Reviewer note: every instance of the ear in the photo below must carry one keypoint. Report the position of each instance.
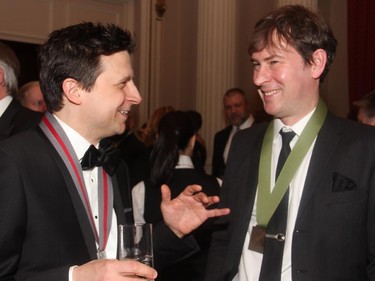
(72, 90)
(318, 63)
(1, 76)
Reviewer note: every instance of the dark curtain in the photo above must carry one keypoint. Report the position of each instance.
(28, 56)
(361, 48)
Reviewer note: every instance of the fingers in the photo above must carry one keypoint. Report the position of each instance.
(165, 193)
(135, 270)
(217, 212)
(112, 270)
(192, 189)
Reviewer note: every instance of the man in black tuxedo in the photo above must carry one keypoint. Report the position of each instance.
(14, 118)
(237, 112)
(60, 201)
(317, 220)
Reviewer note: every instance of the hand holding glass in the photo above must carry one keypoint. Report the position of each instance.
(135, 243)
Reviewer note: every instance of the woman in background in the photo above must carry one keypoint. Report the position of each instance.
(171, 164)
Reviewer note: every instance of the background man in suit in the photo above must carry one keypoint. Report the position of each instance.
(237, 111)
(60, 219)
(325, 228)
(14, 118)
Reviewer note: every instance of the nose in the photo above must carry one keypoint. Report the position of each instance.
(43, 107)
(133, 96)
(260, 75)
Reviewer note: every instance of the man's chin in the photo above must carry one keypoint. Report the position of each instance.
(237, 123)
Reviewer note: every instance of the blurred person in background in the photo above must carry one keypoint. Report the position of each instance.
(171, 164)
(31, 96)
(14, 118)
(366, 109)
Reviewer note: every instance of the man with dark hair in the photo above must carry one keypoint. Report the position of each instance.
(61, 199)
(366, 109)
(14, 118)
(301, 188)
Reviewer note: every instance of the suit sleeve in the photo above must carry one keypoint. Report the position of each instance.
(168, 248)
(13, 219)
(13, 222)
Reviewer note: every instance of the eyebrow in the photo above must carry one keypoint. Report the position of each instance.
(127, 79)
(269, 58)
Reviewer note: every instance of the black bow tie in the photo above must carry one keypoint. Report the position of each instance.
(106, 156)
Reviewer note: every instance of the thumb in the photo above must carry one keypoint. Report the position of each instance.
(165, 193)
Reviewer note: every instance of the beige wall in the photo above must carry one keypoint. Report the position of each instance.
(335, 90)
(166, 61)
(179, 37)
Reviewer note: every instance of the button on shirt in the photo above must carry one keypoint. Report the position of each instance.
(251, 261)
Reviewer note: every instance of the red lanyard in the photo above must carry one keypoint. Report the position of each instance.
(60, 141)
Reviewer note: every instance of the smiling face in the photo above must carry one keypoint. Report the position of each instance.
(105, 108)
(288, 87)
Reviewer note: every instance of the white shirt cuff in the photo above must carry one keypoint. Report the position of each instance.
(71, 272)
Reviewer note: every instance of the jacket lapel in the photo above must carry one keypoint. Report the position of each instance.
(80, 211)
(327, 140)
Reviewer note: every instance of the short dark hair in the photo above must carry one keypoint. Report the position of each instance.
(230, 92)
(74, 52)
(367, 102)
(301, 28)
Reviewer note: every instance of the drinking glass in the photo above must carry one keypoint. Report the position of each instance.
(135, 242)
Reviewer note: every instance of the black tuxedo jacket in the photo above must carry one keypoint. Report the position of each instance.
(17, 118)
(44, 228)
(334, 235)
(220, 141)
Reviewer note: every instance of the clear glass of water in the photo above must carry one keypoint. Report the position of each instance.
(135, 243)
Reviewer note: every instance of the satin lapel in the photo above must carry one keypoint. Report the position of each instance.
(76, 200)
(326, 143)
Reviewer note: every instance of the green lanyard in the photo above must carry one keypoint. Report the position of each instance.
(267, 202)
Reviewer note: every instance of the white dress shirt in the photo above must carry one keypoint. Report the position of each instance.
(4, 103)
(251, 261)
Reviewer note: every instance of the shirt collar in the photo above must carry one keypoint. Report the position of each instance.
(4, 103)
(79, 143)
(247, 124)
(297, 127)
(184, 162)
